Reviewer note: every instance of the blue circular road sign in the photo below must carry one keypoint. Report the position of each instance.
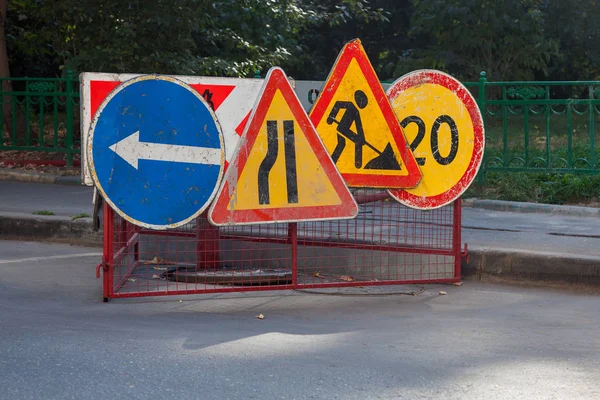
(156, 152)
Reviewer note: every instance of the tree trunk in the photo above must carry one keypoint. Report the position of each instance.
(8, 114)
(4, 70)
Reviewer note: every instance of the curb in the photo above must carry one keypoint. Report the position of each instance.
(514, 206)
(49, 228)
(36, 177)
(532, 265)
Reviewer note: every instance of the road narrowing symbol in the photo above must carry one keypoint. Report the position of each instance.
(445, 131)
(357, 125)
(281, 172)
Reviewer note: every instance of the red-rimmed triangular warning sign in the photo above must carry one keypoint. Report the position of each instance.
(281, 172)
(358, 127)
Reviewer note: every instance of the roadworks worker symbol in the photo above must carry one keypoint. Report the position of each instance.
(385, 160)
(281, 171)
(357, 125)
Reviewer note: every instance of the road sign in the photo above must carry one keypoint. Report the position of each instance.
(358, 127)
(308, 92)
(231, 99)
(156, 152)
(445, 130)
(281, 171)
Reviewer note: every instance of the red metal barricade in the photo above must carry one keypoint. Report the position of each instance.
(387, 243)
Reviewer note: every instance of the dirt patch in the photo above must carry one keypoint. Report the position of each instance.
(588, 289)
(41, 162)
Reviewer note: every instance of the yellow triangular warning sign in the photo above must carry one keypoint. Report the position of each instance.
(358, 127)
(281, 171)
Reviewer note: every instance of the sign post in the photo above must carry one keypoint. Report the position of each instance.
(444, 127)
(156, 152)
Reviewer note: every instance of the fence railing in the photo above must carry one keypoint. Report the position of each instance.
(530, 126)
(540, 126)
(41, 115)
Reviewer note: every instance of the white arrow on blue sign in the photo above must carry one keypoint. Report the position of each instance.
(156, 152)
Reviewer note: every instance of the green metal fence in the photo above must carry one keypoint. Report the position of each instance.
(540, 126)
(41, 115)
(530, 126)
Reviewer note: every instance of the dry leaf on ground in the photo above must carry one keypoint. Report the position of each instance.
(157, 260)
(442, 293)
(347, 278)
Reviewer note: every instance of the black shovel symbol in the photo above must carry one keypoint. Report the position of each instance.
(386, 159)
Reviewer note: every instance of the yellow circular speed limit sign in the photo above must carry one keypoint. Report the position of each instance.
(444, 129)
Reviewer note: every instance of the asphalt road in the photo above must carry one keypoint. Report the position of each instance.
(530, 231)
(63, 200)
(480, 341)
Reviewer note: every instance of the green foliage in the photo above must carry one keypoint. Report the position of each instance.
(43, 212)
(566, 189)
(513, 39)
(539, 187)
(574, 26)
(79, 216)
(336, 22)
(29, 38)
(240, 37)
(141, 36)
(201, 37)
(504, 38)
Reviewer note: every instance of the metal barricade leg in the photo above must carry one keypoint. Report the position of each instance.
(108, 253)
(207, 244)
(456, 238)
(293, 238)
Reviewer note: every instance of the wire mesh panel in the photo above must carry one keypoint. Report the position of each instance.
(387, 243)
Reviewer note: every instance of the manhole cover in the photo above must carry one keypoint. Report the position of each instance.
(231, 276)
